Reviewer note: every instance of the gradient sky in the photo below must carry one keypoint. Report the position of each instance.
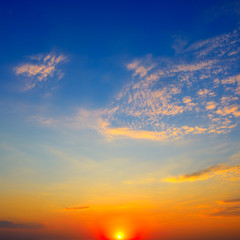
(120, 118)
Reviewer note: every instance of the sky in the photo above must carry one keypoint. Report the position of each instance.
(120, 120)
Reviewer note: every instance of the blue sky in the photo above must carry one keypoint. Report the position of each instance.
(120, 105)
(100, 38)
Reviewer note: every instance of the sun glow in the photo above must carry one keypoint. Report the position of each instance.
(119, 236)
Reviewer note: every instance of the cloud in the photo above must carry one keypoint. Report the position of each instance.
(45, 121)
(126, 132)
(149, 135)
(82, 119)
(139, 69)
(228, 208)
(234, 83)
(233, 211)
(231, 172)
(193, 67)
(204, 93)
(211, 105)
(168, 99)
(233, 109)
(77, 208)
(236, 200)
(179, 44)
(8, 224)
(40, 69)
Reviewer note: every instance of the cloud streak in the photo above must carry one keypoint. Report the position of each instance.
(8, 224)
(236, 200)
(227, 212)
(77, 208)
(227, 208)
(231, 172)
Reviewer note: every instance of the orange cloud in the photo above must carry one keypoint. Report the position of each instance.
(169, 133)
(203, 92)
(228, 208)
(232, 109)
(219, 169)
(77, 208)
(42, 68)
(233, 211)
(126, 132)
(192, 67)
(236, 200)
(139, 69)
(211, 105)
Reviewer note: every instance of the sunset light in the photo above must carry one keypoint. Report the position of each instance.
(120, 120)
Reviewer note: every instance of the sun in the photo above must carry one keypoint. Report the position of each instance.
(119, 235)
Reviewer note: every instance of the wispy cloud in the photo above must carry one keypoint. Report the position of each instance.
(231, 172)
(82, 119)
(39, 69)
(233, 211)
(77, 208)
(149, 135)
(227, 208)
(235, 200)
(139, 69)
(8, 224)
(179, 44)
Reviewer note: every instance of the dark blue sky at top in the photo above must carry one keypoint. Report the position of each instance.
(103, 28)
(99, 37)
